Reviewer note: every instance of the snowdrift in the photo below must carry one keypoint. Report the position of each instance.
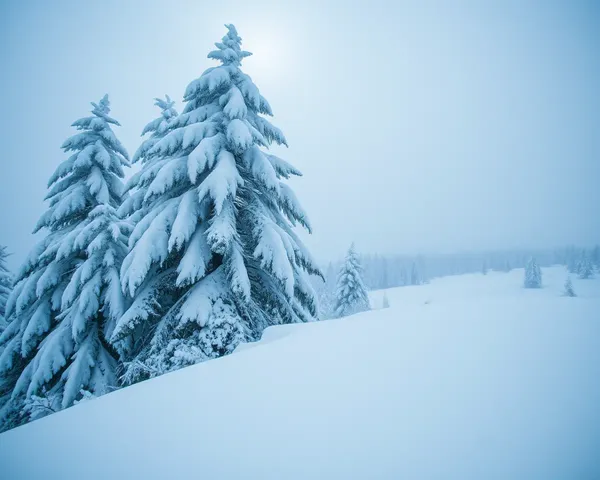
(468, 377)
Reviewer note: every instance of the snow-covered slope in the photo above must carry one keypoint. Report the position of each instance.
(468, 377)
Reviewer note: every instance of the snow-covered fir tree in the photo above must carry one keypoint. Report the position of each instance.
(213, 258)
(351, 294)
(569, 291)
(533, 274)
(585, 268)
(67, 295)
(484, 268)
(5, 287)
(138, 184)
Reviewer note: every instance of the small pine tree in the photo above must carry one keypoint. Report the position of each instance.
(533, 274)
(569, 291)
(386, 302)
(351, 293)
(5, 287)
(585, 270)
(484, 268)
(67, 296)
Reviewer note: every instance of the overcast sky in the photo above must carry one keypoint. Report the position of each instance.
(420, 127)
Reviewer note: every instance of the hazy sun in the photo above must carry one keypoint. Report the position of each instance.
(268, 60)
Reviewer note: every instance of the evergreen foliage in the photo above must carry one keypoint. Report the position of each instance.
(213, 258)
(569, 291)
(533, 274)
(351, 293)
(5, 287)
(67, 296)
(137, 186)
(585, 268)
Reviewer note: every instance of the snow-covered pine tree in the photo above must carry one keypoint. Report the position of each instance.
(5, 287)
(569, 291)
(351, 293)
(67, 295)
(213, 259)
(585, 268)
(138, 184)
(533, 274)
(484, 268)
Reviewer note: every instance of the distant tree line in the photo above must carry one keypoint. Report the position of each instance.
(389, 271)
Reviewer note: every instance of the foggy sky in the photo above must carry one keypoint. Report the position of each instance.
(419, 127)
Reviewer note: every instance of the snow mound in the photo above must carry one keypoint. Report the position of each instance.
(469, 377)
(271, 334)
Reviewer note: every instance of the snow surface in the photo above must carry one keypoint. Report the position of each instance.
(470, 377)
